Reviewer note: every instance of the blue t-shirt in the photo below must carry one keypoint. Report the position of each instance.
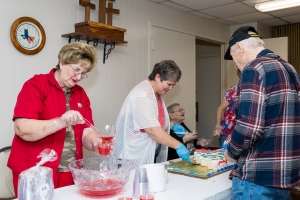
(177, 128)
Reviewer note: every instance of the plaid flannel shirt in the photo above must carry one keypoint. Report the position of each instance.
(266, 138)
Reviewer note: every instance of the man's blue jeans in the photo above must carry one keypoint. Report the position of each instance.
(244, 190)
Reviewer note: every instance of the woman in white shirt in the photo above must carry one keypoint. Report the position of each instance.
(142, 126)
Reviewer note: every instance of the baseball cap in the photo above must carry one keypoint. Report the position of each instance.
(239, 35)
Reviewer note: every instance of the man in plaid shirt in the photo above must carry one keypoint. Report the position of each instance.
(266, 140)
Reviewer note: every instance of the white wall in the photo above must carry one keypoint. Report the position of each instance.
(183, 53)
(109, 83)
(263, 30)
(279, 46)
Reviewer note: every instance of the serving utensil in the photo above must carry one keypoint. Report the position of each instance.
(87, 122)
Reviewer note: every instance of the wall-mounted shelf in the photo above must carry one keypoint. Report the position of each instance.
(98, 33)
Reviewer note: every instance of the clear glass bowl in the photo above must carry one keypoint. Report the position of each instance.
(100, 177)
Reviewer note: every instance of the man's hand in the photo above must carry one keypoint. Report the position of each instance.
(228, 158)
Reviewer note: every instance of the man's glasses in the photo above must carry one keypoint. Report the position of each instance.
(78, 72)
(181, 110)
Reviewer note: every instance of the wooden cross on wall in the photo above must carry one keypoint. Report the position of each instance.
(103, 10)
(88, 6)
(110, 11)
(98, 32)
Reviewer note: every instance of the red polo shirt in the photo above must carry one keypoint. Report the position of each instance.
(42, 98)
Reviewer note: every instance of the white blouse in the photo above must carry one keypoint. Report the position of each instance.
(139, 111)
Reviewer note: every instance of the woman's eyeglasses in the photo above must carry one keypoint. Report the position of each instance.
(78, 72)
(181, 110)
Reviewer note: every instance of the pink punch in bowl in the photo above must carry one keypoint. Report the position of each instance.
(100, 177)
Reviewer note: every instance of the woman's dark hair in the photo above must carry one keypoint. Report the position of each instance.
(167, 70)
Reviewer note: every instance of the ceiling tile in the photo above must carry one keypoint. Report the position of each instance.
(232, 12)
(251, 17)
(273, 22)
(292, 19)
(202, 4)
(229, 10)
(176, 6)
(225, 22)
(202, 15)
(158, 1)
(253, 2)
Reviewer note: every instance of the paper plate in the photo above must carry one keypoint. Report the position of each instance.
(181, 132)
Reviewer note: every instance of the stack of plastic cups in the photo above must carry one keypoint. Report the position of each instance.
(140, 183)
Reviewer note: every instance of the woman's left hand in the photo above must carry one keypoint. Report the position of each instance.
(97, 142)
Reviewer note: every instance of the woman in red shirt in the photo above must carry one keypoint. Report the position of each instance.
(50, 112)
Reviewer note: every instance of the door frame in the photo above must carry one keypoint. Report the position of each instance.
(179, 47)
(197, 36)
(151, 45)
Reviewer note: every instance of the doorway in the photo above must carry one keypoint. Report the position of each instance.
(208, 87)
(168, 44)
(203, 78)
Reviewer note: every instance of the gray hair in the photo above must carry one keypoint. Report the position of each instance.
(171, 107)
(167, 70)
(251, 43)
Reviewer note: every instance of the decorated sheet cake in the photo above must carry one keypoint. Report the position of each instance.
(204, 164)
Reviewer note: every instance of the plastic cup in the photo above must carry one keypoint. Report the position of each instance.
(140, 183)
(104, 149)
(125, 198)
(107, 136)
(147, 196)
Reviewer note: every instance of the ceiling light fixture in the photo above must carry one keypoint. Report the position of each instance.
(276, 5)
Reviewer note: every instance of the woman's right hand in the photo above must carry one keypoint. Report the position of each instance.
(217, 131)
(183, 152)
(71, 117)
(190, 136)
